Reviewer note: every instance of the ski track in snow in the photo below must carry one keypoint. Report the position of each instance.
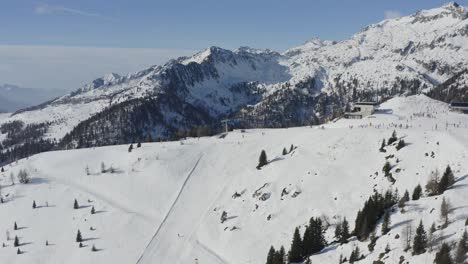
(153, 239)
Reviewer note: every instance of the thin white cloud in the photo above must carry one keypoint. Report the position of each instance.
(391, 14)
(62, 67)
(45, 9)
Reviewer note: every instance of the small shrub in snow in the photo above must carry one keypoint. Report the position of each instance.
(34, 205)
(76, 205)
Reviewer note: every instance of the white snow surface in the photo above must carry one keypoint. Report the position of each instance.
(164, 201)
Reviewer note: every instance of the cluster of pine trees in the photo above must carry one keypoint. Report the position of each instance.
(302, 247)
(436, 186)
(374, 208)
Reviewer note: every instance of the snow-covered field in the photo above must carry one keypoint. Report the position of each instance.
(164, 201)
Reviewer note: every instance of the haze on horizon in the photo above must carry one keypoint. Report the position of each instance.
(63, 45)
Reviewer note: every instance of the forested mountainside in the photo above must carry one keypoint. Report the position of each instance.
(305, 85)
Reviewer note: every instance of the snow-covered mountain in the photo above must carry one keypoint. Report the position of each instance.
(305, 85)
(164, 202)
(13, 98)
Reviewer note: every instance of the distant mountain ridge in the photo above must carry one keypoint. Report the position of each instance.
(13, 98)
(305, 85)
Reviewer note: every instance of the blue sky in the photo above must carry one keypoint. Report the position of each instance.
(144, 32)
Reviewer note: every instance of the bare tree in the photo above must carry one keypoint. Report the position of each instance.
(12, 178)
(432, 237)
(407, 236)
(445, 208)
(23, 177)
(432, 186)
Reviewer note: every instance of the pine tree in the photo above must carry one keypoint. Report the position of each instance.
(16, 243)
(3, 170)
(18, 252)
(130, 148)
(386, 223)
(295, 253)
(462, 249)
(443, 256)
(344, 231)
(417, 193)
(285, 152)
(406, 196)
(291, 148)
(420, 240)
(94, 248)
(308, 241)
(338, 231)
(93, 211)
(280, 256)
(262, 161)
(15, 227)
(139, 145)
(80, 245)
(75, 205)
(271, 256)
(446, 181)
(78, 236)
(450, 176)
(34, 204)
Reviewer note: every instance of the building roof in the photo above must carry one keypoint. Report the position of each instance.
(459, 104)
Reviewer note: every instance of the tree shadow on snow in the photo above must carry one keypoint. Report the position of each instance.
(90, 239)
(401, 223)
(443, 238)
(100, 211)
(36, 180)
(461, 178)
(25, 244)
(275, 159)
(84, 206)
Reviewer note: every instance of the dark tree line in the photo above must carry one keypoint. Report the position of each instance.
(374, 208)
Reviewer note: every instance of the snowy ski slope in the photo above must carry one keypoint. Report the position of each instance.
(164, 201)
